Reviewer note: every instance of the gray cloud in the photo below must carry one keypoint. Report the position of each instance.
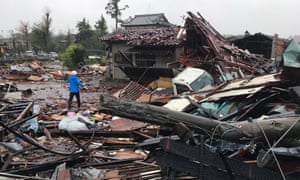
(227, 16)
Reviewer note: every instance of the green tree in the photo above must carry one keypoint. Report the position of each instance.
(101, 30)
(73, 56)
(61, 42)
(101, 26)
(24, 30)
(85, 33)
(41, 33)
(69, 38)
(112, 8)
(46, 24)
(36, 37)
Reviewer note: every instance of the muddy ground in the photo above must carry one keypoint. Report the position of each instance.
(53, 95)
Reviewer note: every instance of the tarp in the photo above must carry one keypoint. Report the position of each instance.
(291, 55)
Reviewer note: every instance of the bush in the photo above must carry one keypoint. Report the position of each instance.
(73, 56)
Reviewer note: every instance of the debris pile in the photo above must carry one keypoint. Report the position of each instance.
(82, 145)
(203, 44)
(233, 114)
(41, 139)
(246, 120)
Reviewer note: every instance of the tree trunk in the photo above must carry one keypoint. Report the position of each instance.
(117, 23)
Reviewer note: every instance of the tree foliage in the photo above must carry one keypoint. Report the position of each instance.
(101, 30)
(24, 29)
(36, 37)
(74, 55)
(101, 26)
(46, 24)
(41, 33)
(39, 36)
(88, 37)
(85, 33)
(112, 8)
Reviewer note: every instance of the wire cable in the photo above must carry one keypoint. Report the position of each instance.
(273, 154)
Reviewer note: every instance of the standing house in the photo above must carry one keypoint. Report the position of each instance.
(144, 48)
(146, 21)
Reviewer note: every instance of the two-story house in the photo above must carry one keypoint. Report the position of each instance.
(144, 49)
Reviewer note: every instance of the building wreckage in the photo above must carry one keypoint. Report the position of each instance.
(244, 127)
(250, 120)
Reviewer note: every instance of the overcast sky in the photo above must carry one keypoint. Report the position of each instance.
(227, 16)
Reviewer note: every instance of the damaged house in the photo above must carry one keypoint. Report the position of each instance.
(244, 128)
(270, 47)
(149, 47)
(144, 48)
(205, 47)
(241, 129)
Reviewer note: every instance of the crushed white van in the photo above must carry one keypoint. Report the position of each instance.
(191, 80)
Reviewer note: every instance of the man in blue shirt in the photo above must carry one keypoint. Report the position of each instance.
(75, 85)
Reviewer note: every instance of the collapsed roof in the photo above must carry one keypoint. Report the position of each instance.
(200, 33)
(202, 44)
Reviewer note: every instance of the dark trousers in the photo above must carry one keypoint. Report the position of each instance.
(71, 99)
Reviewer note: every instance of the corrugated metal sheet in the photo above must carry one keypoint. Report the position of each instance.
(256, 81)
(236, 92)
(133, 91)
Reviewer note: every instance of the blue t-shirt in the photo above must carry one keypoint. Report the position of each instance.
(75, 84)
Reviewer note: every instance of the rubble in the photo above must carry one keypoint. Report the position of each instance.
(102, 143)
(250, 113)
(242, 123)
(249, 119)
(204, 44)
(44, 151)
